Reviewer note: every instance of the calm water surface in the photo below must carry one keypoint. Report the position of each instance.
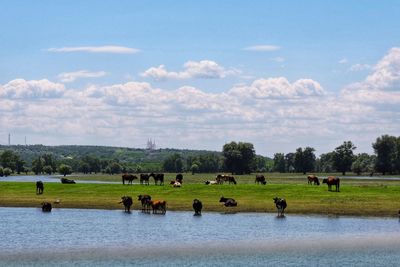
(77, 237)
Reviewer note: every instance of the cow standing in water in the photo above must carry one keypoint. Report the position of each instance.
(281, 205)
(332, 180)
(197, 206)
(127, 201)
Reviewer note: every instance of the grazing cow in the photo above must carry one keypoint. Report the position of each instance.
(39, 187)
(197, 206)
(145, 200)
(67, 181)
(179, 178)
(158, 178)
(228, 202)
(128, 177)
(127, 201)
(332, 180)
(312, 179)
(260, 179)
(144, 178)
(210, 182)
(46, 207)
(221, 178)
(281, 205)
(158, 206)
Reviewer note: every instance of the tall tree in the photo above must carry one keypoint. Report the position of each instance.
(279, 162)
(343, 157)
(363, 163)
(239, 157)
(289, 162)
(385, 150)
(304, 160)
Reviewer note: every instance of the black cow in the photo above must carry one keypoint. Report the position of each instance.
(260, 179)
(332, 180)
(145, 200)
(281, 205)
(128, 177)
(228, 202)
(46, 207)
(127, 201)
(197, 206)
(179, 178)
(67, 181)
(144, 178)
(39, 187)
(158, 178)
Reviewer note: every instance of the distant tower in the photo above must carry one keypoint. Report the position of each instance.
(151, 145)
(25, 139)
(9, 139)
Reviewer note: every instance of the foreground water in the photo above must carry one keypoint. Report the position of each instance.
(76, 237)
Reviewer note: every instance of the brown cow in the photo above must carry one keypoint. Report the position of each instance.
(312, 179)
(332, 180)
(158, 206)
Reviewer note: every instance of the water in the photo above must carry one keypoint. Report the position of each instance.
(48, 179)
(68, 237)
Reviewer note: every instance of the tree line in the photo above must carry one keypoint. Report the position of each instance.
(236, 158)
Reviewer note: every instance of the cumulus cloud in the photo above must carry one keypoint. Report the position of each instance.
(276, 114)
(280, 88)
(20, 88)
(67, 77)
(204, 69)
(343, 61)
(262, 48)
(382, 85)
(96, 49)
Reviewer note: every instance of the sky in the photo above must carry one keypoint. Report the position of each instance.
(199, 74)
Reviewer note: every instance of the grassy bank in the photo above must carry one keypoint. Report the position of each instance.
(364, 199)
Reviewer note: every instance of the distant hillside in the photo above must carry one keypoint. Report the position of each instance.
(122, 154)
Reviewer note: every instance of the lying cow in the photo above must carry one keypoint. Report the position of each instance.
(210, 182)
(228, 202)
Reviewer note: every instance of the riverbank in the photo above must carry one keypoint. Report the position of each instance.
(355, 200)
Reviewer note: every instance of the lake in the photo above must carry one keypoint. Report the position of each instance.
(79, 237)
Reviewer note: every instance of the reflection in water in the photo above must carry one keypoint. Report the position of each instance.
(68, 237)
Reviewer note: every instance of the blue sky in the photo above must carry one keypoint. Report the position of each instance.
(279, 74)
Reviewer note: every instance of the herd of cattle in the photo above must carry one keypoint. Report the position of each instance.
(160, 206)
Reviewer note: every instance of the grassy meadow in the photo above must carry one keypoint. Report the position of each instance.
(356, 197)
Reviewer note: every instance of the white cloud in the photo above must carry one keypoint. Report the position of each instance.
(204, 69)
(97, 49)
(262, 48)
(20, 88)
(276, 114)
(279, 88)
(343, 61)
(360, 67)
(279, 59)
(67, 77)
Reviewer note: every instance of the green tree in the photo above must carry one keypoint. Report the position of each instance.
(343, 157)
(363, 163)
(7, 172)
(48, 169)
(279, 162)
(115, 167)
(84, 168)
(290, 162)
(173, 163)
(65, 169)
(385, 150)
(239, 157)
(304, 160)
(49, 160)
(1, 172)
(37, 165)
(8, 159)
(325, 162)
(194, 168)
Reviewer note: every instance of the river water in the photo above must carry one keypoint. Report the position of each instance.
(76, 237)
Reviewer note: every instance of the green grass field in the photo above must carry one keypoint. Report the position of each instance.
(356, 197)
